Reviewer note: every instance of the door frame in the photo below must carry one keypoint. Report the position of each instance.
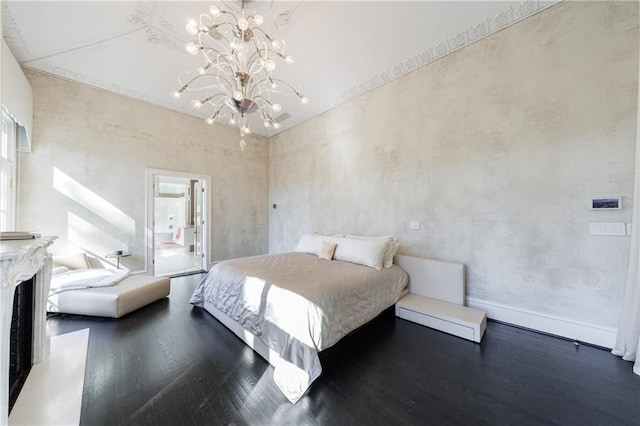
(149, 225)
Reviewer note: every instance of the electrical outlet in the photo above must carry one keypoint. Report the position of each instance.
(415, 224)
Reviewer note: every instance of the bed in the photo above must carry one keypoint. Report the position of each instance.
(289, 307)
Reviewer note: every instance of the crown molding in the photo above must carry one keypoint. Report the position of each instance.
(471, 35)
(12, 35)
(158, 31)
(116, 89)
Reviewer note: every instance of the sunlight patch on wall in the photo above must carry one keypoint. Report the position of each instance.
(90, 238)
(93, 202)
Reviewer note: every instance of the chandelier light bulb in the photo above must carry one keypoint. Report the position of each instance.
(232, 121)
(178, 92)
(258, 20)
(290, 59)
(192, 27)
(269, 65)
(304, 100)
(196, 103)
(243, 24)
(245, 129)
(237, 95)
(192, 48)
(276, 44)
(267, 124)
(212, 119)
(276, 125)
(276, 107)
(214, 10)
(274, 85)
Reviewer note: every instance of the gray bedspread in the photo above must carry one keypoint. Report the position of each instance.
(298, 305)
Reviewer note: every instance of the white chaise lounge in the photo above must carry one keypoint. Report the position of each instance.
(113, 301)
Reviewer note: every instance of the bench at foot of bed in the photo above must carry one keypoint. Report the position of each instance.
(436, 298)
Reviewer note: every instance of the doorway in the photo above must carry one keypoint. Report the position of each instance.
(178, 223)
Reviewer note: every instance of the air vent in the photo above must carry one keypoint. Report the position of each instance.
(283, 117)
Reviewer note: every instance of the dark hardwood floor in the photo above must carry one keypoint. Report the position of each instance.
(172, 364)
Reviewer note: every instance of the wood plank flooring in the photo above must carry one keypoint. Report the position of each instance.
(172, 364)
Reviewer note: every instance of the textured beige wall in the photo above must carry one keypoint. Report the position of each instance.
(85, 179)
(496, 149)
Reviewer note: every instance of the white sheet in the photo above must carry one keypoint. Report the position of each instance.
(298, 305)
(64, 279)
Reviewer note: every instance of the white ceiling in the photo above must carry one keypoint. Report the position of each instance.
(342, 48)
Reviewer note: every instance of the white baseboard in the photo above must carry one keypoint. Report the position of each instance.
(575, 330)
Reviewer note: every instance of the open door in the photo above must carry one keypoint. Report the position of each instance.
(177, 223)
(199, 224)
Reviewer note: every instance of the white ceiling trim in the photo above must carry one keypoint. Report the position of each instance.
(490, 26)
(165, 37)
(159, 31)
(13, 37)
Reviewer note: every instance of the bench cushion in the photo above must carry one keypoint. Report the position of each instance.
(130, 294)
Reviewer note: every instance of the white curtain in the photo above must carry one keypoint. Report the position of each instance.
(628, 339)
(16, 97)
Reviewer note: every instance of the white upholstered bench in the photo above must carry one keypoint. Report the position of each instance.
(115, 301)
(436, 298)
(133, 292)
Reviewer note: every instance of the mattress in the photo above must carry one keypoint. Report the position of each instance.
(297, 304)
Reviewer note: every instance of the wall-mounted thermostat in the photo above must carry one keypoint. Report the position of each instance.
(606, 203)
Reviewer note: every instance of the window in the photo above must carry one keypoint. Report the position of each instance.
(8, 174)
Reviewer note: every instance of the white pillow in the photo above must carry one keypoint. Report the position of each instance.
(390, 250)
(360, 251)
(72, 261)
(310, 244)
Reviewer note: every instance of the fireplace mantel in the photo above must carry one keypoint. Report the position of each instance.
(20, 260)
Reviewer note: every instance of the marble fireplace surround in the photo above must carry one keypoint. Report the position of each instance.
(19, 261)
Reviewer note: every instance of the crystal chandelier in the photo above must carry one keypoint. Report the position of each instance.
(237, 76)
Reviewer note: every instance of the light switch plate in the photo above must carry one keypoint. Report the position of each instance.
(606, 228)
(415, 224)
